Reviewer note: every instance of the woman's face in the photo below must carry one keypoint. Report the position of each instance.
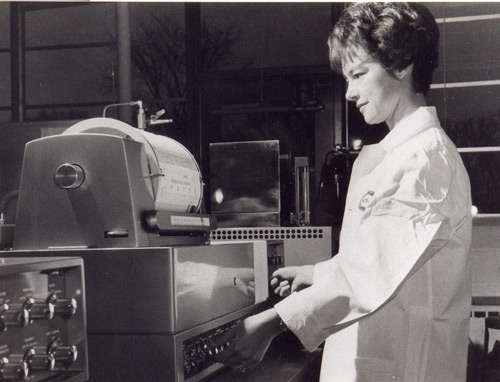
(376, 93)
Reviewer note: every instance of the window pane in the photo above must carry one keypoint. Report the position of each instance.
(273, 34)
(470, 50)
(144, 12)
(485, 180)
(471, 116)
(5, 79)
(4, 24)
(460, 9)
(71, 25)
(4, 116)
(70, 75)
(58, 114)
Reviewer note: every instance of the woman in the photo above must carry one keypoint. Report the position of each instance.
(394, 303)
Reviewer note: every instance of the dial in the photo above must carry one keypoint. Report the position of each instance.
(40, 360)
(13, 371)
(64, 354)
(39, 309)
(65, 307)
(13, 317)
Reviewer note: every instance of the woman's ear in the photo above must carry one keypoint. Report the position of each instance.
(400, 74)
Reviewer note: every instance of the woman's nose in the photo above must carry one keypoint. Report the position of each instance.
(351, 94)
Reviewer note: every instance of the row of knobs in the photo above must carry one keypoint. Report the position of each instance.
(19, 367)
(200, 354)
(275, 259)
(36, 309)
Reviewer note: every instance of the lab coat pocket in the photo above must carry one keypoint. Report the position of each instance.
(417, 347)
(374, 370)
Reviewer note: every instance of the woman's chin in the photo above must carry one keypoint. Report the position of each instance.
(371, 120)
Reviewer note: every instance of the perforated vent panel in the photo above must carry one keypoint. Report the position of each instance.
(267, 233)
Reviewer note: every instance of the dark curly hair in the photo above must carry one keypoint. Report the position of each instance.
(395, 34)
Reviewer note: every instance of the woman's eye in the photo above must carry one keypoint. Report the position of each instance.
(357, 75)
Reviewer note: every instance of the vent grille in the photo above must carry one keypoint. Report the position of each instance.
(267, 233)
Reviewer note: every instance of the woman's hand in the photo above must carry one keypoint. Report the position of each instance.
(290, 279)
(249, 341)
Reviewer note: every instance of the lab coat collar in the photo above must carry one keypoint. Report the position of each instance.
(420, 120)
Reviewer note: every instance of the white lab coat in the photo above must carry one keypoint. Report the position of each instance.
(394, 303)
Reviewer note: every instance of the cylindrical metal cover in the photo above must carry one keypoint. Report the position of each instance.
(174, 173)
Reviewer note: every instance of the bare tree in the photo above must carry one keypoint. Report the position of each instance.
(158, 59)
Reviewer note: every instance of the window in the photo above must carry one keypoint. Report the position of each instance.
(269, 35)
(4, 61)
(70, 61)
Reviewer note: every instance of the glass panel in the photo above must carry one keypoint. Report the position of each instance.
(60, 114)
(5, 116)
(251, 120)
(485, 180)
(143, 13)
(438, 77)
(158, 62)
(75, 75)
(71, 25)
(272, 35)
(5, 79)
(471, 116)
(4, 24)
(471, 50)
(460, 9)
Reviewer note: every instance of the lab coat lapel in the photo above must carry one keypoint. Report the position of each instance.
(368, 159)
(362, 187)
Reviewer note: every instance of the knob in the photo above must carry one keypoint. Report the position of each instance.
(64, 354)
(39, 309)
(13, 371)
(65, 307)
(40, 361)
(15, 317)
(68, 176)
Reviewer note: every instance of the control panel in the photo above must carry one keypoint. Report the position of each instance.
(42, 320)
(199, 352)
